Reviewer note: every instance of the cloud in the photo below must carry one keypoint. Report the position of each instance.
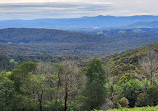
(74, 8)
(50, 10)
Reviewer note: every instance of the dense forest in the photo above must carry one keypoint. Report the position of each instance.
(56, 83)
(96, 43)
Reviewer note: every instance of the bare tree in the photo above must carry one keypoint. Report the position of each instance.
(45, 68)
(71, 80)
(149, 65)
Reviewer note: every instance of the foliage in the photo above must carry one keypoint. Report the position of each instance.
(130, 89)
(20, 74)
(83, 86)
(95, 90)
(53, 106)
(115, 101)
(124, 102)
(7, 93)
(137, 109)
(152, 91)
(125, 78)
(143, 100)
(5, 63)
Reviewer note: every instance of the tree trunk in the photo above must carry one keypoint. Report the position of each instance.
(145, 86)
(151, 73)
(40, 102)
(58, 86)
(41, 109)
(66, 97)
(151, 76)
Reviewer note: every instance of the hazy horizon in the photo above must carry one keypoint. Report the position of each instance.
(35, 9)
(75, 17)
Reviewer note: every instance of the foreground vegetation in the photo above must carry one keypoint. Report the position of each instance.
(128, 79)
(137, 109)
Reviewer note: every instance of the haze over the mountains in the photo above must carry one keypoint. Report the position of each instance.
(83, 22)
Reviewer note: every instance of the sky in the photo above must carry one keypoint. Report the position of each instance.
(35, 9)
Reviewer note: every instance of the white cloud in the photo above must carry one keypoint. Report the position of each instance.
(32, 9)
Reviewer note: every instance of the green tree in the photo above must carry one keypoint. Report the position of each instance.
(95, 90)
(143, 99)
(35, 86)
(7, 93)
(129, 88)
(152, 91)
(20, 74)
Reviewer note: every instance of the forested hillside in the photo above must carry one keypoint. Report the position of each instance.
(127, 79)
(25, 41)
(29, 35)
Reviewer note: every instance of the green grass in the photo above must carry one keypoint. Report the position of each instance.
(137, 109)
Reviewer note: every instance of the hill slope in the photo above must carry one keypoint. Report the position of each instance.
(30, 35)
(128, 61)
(25, 41)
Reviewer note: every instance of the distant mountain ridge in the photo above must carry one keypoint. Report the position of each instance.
(153, 24)
(83, 22)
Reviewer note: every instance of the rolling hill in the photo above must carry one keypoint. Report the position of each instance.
(30, 35)
(29, 41)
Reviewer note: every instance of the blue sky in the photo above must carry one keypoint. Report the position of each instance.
(33, 9)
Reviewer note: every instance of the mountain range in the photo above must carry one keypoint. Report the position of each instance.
(75, 23)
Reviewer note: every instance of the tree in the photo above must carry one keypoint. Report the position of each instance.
(70, 81)
(130, 88)
(143, 99)
(58, 71)
(7, 93)
(35, 86)
(149, 65)
(19, 75)
(47, 70)
(95, 90)
(152, 91)
(5, 63)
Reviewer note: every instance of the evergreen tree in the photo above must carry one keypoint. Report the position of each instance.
(95, 90)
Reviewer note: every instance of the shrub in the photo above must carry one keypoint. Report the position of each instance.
(124, 102)
(143, 100)
(115, 101)
(130, 89)
(152, 91)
